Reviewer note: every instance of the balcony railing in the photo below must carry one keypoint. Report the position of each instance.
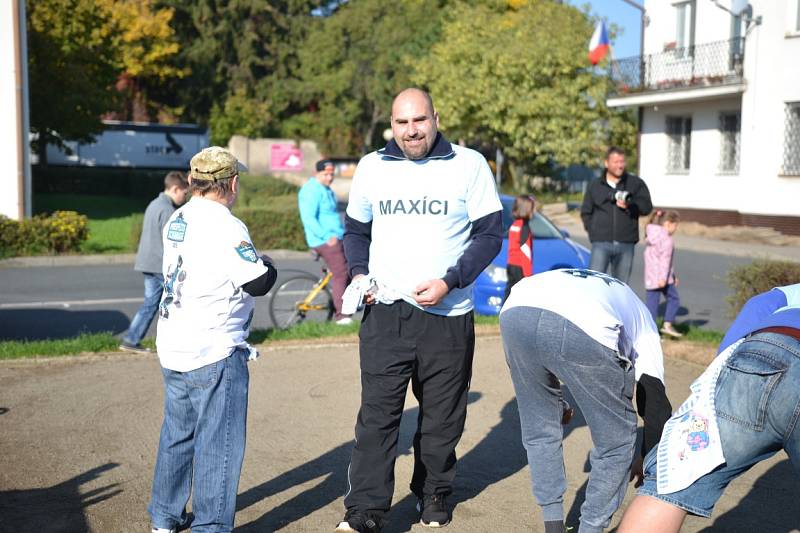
(701, 65)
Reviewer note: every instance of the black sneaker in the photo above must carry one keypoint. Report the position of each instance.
(434, 512)
(355, 521)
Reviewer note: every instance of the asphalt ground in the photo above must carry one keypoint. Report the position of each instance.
(78, 438)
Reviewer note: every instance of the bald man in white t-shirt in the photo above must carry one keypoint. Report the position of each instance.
(423, 221)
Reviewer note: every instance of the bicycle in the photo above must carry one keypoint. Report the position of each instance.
(302, 297)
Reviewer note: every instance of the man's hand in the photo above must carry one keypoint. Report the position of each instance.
(369, 298)
(622, 205)
(430, 292)
(332, 241)
(637, 470)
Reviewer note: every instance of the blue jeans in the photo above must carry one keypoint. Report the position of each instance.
(613, 258)
(542, 348)
(673, 302)
(202, 445)
(153, 287)
(758, 412)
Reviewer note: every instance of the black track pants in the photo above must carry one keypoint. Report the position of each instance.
(400, 343)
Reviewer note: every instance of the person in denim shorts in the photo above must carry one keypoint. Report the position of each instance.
(756, 401)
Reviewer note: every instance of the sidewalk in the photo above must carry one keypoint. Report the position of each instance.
(79, 442)
(690, 237)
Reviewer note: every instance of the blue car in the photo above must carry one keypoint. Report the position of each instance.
(552, 249)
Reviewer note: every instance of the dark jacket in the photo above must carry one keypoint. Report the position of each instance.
(603, 220)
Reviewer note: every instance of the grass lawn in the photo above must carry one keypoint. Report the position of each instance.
(111, 218)
(114, 221)
(316, 331)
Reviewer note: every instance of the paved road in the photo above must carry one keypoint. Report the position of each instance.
(58, 302)
(79, 438)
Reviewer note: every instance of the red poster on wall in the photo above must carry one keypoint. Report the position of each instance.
(285, 157)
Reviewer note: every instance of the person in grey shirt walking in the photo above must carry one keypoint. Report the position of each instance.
(149, 254)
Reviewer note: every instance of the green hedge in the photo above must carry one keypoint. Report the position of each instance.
(61, 232)
(276, 225)
(759, 276)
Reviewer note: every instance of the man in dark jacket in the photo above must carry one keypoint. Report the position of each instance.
(610, 212)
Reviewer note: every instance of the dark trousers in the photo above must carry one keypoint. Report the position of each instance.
(670, 293)
(400, 343)
(334, 258)
(514, 274)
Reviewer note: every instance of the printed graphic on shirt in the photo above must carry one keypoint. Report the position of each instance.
(421, 206)
(172, 289)
(584, 273)
(247, 252)
(177, 229)
(694, 428)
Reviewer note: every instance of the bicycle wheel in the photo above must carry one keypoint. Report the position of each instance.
(284, 303)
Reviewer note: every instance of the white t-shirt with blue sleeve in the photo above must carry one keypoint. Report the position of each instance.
(204, 312)
(421, 214)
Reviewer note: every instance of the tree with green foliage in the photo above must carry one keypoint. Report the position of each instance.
(242, 56)
(79, 49)
(72, 64)
(514, 74)
(352, 63)
(145, 47)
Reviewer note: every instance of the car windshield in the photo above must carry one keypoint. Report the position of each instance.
(542, 228)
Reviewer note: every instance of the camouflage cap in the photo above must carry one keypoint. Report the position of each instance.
(214, 163)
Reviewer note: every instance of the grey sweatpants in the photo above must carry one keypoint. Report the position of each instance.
(543, 348)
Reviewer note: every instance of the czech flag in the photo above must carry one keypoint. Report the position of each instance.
(598, 46)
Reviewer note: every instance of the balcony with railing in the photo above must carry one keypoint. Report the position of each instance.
(693, 67)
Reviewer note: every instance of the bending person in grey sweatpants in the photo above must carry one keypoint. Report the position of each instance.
(591, 332)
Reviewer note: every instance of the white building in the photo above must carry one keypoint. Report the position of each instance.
(720, 100)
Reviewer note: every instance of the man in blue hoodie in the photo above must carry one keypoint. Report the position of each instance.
(324, 230)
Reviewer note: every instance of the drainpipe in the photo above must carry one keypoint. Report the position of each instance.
(21, 90)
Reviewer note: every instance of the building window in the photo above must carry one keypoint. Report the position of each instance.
(791, 141)
(684, 28)
(730, 132)
(679, 151)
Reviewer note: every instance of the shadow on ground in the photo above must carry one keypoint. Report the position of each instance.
(54, 509)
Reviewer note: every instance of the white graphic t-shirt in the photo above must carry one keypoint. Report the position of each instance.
(421, 214)
(204, 313)
(603, 307)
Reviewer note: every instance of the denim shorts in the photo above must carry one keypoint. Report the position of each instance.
(758, 405)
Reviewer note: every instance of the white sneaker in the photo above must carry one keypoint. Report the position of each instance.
(162, 530)
(346, 321)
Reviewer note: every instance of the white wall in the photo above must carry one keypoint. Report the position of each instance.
(772, 75)
(703, 187)
(772, 71)
(712, 23)
(15, 201)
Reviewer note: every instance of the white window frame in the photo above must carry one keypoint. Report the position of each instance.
(730, 141)
(679, 143)
(685, 27)
(791, 140)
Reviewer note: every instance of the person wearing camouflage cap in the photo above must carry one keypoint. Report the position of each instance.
(211, 272)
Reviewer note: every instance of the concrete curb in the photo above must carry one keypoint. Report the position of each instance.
(111, 259)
